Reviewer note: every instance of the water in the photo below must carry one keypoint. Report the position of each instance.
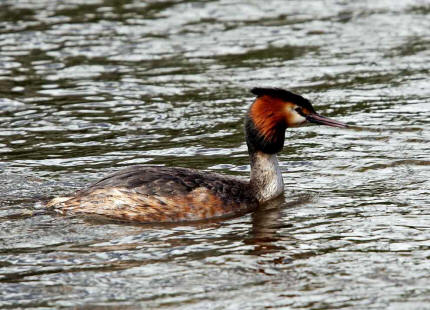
(89, 87)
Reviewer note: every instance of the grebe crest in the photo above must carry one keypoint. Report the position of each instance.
(164, 194)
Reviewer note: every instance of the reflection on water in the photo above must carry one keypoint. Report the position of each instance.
(89, 87)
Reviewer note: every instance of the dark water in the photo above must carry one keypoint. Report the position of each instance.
(88, 87)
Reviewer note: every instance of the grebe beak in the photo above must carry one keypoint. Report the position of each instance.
(322, 120)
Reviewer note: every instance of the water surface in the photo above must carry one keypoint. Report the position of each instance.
(89, 87)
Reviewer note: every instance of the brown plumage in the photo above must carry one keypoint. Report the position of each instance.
(267, 112)
(161, 194)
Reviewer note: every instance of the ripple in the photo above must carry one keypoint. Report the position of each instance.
(89, 87)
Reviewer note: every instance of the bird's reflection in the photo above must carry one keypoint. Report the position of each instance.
(267, 222)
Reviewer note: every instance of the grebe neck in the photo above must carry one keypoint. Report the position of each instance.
(266, 178)
(264, 138)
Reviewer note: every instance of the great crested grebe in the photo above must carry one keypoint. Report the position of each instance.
(163, 194)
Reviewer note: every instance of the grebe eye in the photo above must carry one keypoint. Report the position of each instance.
(300, 111)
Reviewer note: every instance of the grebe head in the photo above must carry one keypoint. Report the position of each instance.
(273, 111)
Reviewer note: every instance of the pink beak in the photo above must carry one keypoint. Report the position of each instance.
(322, 120)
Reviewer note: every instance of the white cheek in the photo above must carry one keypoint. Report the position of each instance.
(295, 119)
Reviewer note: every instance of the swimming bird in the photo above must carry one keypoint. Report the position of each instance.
(156, 194)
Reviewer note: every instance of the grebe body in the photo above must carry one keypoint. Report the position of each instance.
(161, 194)
(151, 194)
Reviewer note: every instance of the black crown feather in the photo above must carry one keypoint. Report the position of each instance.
(284, 95)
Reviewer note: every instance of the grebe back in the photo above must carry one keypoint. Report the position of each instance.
(152, 194)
